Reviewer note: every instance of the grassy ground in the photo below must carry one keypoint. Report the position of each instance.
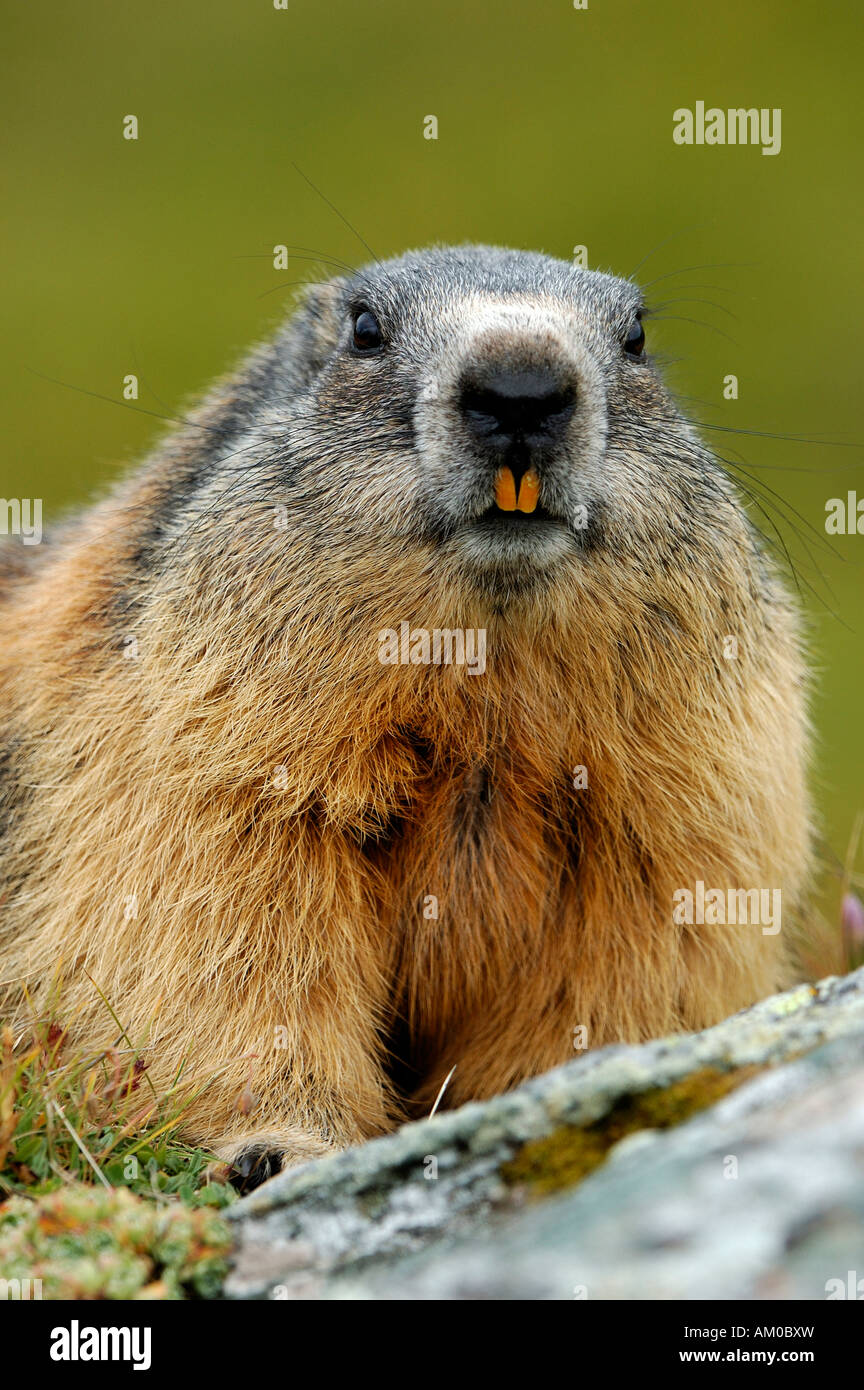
(98, 1198)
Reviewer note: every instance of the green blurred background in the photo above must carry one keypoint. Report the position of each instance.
(555, 129)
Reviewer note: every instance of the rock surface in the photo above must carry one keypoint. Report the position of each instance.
(723, 1164)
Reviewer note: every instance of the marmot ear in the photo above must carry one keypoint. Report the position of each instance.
(313, 332)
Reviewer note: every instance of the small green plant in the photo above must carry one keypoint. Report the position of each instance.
(94, 1242)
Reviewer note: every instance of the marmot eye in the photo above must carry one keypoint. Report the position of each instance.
(367, 332)
(634, 338)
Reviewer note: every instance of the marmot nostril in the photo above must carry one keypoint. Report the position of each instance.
(505, 406)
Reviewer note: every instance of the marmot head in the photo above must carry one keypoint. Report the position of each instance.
(498, 409)
(452, 435)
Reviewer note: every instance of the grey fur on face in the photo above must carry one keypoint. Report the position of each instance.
(386, 444)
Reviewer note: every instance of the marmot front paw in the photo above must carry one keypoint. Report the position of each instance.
(253, 1158)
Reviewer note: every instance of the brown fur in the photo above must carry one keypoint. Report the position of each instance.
(295, 900)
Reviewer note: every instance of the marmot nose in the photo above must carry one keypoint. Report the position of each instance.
(526, 407)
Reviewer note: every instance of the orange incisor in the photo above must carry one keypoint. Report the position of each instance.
(505, 491)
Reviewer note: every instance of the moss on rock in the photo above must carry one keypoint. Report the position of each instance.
(570, 1153)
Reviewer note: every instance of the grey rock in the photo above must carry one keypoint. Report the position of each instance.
(661, 1218)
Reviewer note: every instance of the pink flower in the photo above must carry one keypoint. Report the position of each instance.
(852, 918)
